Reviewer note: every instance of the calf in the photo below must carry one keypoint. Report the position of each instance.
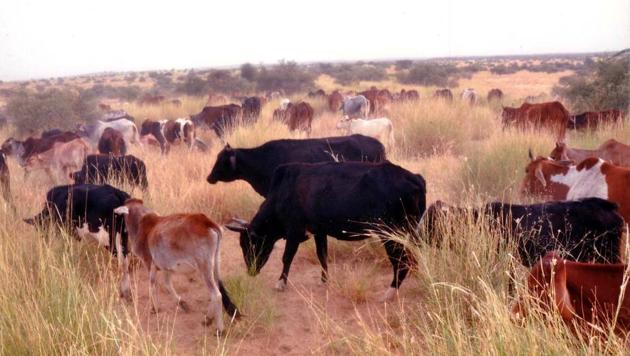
(60, 160)
(346, 200)
(590, 293)
(612, 151)
(79, 205)
(101, 168)
(112, 142)
(592, 177)
(381, 129)
(179, 243)
(21, 151)
(256, 165)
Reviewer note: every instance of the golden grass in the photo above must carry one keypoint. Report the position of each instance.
(59, 296)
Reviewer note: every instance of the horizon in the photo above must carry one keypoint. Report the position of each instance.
(41, 40)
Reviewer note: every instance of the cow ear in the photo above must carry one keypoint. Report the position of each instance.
(227, 147)
(540, 176)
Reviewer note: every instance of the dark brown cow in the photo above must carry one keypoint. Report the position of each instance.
(445, 94)
(592, 120)
(590, 293)
(551, 116)
(5, 179)
(319, 93)
(378, 99)
(612, 151)
(495, 95)
(151, 99)
(23, 150)
(335, 99)
(218, 118)
(409, 95)
(112, 142)
(299, 116)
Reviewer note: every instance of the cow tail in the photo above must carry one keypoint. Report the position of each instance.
(392, 139)
(136, 136)
(228, 305)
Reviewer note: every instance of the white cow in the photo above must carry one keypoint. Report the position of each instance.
(126, 127)
(381, 129)
(469, 95)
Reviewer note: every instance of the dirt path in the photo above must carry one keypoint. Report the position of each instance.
(302, 313)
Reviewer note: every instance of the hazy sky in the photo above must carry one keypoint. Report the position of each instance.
(50, 38)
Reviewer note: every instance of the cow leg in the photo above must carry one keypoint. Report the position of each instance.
(321, 244)
(290, 249)
(125, 284)
(400, 263)
(215, 308)
(168, 282)
(153, 292)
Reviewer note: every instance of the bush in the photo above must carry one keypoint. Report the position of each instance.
(192, 85)
(440, 75)
(404, 64)
(53, 108)
(351, 74)
(249, 72)
(607, 87)
(287, 76)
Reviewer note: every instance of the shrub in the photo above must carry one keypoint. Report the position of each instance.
(430, 74)
(607, 87)
(352, 74)
(192, 85)
(287, 76)
(53, 108)
(403, 64)
(249, 72)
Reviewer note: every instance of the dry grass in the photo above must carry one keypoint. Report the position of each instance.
(59, 296)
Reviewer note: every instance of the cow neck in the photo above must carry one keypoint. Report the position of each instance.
(145, 221)
(585, 182)
(250, 166)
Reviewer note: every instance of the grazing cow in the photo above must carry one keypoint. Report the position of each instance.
(319, 93)
(592, 177)
(409, 95)
(592, 120)
(220, 119)
(99, 169)
(178, 243)
(5, 179)
(21, 151)
(336, 199)
(445, 94)
(60, 160)
(78, 205)
(256, 165)
(584, 230)
(551, 116)
(356, 107)
(149, 99)
(469, 96)
(117, 115)
(252, 107)
(126, 127)
(112, 142)
(381, 129)
(590, 293)
(335, 100)
(378, 99)
(284, 103)
(299, 116)
(612, 151)
(495, 95)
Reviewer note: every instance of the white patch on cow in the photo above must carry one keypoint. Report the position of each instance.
(586, 183)
(121, 210)
(101, 236)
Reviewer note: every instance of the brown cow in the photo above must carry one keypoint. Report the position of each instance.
(592, 177)
(5, 179)
(23, 150)
(592, 120)
(335, 99)
(378, 99)
(612, 151)
(178, 243)
(61, 160)
(551, 115)
(299, 116)
(218, 118)
(409, 95)
(444, 93)
(112, 142)
(591, 293)
(495, 95)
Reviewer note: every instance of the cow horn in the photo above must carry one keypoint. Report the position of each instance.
(540, 176)
(239, 221)
(531, 156)
(227, 147)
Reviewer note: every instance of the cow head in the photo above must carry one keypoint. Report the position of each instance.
(11, 147)
(225, 168)
(559, 152)
(537, 178)
(256, 247)
(133, 211)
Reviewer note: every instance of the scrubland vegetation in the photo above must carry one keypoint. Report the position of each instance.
(59, 296)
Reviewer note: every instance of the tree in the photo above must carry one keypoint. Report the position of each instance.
(249, 72)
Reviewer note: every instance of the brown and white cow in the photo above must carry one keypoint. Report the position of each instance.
(593, 177)
(61, 160)
(178, 243)
(612, 151)
(591, 293)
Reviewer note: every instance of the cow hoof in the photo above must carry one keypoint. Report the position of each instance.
(154, 310)
(389, 294)
(280, 285)
(207, 321)
(126, 295)
(184, 306)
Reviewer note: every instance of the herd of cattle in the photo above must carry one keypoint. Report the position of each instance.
(343, 187)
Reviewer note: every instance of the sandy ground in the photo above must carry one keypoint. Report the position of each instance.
(299, 325)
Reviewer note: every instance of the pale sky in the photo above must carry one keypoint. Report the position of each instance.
(51, 38)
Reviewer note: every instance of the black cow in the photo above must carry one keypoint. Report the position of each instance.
(5, 179)
(256, 165)
(251, 109)
(100, 168)
(79, 204)
(344, 200)
(583, 230)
